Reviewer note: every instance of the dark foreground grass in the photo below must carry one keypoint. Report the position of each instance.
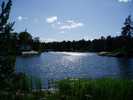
(81, 89)
(100, 89)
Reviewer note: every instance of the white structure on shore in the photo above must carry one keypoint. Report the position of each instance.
(30, 52)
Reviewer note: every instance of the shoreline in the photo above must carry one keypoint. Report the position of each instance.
(115, 54)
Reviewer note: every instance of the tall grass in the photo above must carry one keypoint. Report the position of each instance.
(23, 88)
(71, 89)
(100, 89)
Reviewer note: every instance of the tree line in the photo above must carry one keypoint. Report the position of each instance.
(122, 42)
(24, 41)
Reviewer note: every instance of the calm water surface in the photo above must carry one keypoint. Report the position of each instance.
(60, 65)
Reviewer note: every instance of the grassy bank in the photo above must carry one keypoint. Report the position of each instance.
(100, 89)
(80, 89)
(122, 52)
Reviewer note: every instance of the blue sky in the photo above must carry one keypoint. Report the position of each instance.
(57, 20)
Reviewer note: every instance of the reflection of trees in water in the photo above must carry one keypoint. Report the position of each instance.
(125, 68)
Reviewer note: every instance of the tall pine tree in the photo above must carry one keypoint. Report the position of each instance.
(7, 61)
(5, 25)
(127, 29)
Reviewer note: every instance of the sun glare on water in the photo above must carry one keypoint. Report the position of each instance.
(75, 53)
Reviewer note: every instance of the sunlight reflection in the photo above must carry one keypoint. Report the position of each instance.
(74, 53)
(71, 58)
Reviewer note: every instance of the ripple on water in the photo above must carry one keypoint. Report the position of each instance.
(59, 65)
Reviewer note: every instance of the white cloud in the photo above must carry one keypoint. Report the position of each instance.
(124, 1)
(20, 18)
(70, 24)
(63, 26)
(51, 19)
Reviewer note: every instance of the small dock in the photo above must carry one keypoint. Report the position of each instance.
(30, 53)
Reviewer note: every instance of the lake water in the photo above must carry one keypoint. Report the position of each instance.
(60, 65)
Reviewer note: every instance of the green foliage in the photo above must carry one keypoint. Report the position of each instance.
(5, 26)
(7, 39)
(7, 67)
(127, 30)
(100, 89)
(22, 88)
(27, 43)
(97, 45)
(22, 83)
(37, 44)
(80, 89)
(7, 57)
(25, 37)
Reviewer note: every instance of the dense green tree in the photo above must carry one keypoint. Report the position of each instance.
(25, 37)
(7, 43)
(127, 29)
(5, 25)
(36, 44)
(25, 41)
(109, 44)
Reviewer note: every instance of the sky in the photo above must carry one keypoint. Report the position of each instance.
(57, 20)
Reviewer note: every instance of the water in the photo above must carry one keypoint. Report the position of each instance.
(60, 65)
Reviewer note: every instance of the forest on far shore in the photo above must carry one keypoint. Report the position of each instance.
(122, 43)
(24, 41)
